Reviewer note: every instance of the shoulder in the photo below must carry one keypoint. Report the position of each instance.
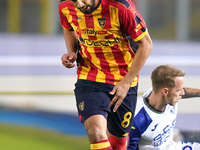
(140, 101)
(140, 124)
(142, 118)
(125, 3)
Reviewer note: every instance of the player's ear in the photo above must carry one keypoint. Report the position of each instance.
(165, 91)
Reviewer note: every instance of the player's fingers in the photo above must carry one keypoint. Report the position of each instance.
(117, 104)
(73, 65)
(65, 62)
(71, 57)
(113, 91)
(64, 57)
(113, 100)
(69, 65)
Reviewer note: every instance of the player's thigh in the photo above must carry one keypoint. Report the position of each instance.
(119, 123)
(91, 99)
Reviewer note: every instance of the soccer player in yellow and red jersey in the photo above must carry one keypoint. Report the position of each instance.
(113, 46)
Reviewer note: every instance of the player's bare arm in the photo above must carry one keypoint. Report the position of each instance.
(70, 40)
(121, 88)
(191, 92)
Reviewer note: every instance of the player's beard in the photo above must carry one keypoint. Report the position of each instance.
(87, 9)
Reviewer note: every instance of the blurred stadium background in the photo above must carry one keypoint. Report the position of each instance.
(37, 91)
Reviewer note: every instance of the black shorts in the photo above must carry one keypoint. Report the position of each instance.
(93, 98)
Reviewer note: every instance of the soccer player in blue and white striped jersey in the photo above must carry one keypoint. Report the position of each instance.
(156, 111)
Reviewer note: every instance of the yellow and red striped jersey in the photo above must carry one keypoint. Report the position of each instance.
(107, 38)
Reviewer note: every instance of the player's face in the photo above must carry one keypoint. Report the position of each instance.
(175, 93)
(86, 6)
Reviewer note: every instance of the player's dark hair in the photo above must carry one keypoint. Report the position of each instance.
(164, 76)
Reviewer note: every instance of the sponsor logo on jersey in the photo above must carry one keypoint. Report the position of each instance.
(163, 136)
(107, 42)
(90, 31)
(87, 31)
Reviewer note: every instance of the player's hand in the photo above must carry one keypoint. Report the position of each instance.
(68, 60)
(120, 91)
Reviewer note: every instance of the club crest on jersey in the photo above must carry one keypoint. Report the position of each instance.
(81, 106)
(102, 22)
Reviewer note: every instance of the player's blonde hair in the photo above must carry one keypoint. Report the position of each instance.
(164, 76)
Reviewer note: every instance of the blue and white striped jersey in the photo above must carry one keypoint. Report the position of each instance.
(153, 129)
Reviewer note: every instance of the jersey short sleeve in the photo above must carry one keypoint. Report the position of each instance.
(63, 20)
(133, 22)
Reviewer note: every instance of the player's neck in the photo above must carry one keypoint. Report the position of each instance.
(156, 101)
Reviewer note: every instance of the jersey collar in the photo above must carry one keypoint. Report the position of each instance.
(145, 99)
